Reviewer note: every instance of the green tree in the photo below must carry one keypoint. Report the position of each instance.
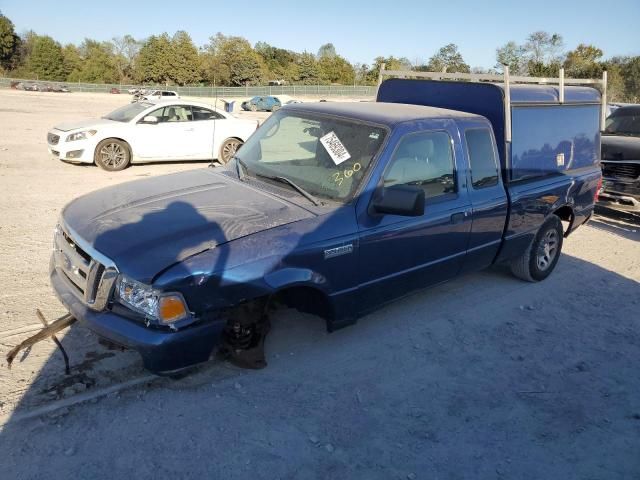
(308, 71)
(335, 69)
(154, 60)
(512, 55)
(72, 62)
(326, 51)
(9, 44)
(213, 70)
(98, 63)
(448, 59)
(45, 60)
(245, 66)
(125, 49)
(543, 48)
(630, 70)
(185, 63)
(390, 63)
(280, 63)
(583, 62)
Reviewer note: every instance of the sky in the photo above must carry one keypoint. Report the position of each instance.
(360, 30)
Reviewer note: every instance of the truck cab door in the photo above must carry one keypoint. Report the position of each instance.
(488, 198)
(399, 254)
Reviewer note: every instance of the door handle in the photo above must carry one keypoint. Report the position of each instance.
(457, 218)
(460, 216)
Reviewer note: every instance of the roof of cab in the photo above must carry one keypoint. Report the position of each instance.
(388, 114)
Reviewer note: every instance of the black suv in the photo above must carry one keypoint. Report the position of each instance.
(621, 159)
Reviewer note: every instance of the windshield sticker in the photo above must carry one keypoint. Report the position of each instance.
(335, 148)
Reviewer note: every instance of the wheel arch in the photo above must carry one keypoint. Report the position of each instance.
(305, 298)
(565, 213)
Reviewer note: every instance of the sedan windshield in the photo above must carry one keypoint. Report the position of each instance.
(128, 112)
(326, 156)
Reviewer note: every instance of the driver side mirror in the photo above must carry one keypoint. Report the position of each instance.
(150, 119)
(404, 200)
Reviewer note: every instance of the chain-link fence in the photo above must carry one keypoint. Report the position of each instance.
(221, 92)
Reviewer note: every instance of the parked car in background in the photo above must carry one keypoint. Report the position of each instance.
(621, 159)
(262, 104)
(149, 132)
(158, 95)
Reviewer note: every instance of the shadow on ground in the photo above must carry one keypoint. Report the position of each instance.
(482, 377)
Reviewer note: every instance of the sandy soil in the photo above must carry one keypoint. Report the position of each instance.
(482, 377)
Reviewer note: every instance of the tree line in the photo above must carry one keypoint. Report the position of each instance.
(233, 61)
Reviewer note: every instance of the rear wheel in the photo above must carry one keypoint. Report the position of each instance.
(541, 257)
(229, 149)
(112, 155)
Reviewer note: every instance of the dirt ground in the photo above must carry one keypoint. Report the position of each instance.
(483, 377)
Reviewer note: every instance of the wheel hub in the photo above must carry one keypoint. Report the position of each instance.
(547, 250)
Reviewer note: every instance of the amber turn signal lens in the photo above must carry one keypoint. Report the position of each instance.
(171, 309)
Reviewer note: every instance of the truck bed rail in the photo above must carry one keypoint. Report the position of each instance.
(507, 80)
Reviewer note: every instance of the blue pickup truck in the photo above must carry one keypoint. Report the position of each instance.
(334, 209)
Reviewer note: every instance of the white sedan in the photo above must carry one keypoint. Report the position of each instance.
(151, 132)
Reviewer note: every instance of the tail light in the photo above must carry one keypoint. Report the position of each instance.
(598, 190)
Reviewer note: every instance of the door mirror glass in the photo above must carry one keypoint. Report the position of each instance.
(404, 200)
(150, 119)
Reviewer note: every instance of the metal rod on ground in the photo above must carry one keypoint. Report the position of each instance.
(46, 332)
(67, 370)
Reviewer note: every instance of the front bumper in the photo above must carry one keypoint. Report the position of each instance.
(80, 151)
(623, 195)
(161, 351)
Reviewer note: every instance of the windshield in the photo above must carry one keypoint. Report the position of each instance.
(623, 124)
(326, 156)
(128, 112)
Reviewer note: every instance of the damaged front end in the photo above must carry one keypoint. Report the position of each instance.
(157, 324)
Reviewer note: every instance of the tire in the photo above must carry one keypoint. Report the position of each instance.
(542, 255)
(229, 149)
(253, 108)
(112, 155)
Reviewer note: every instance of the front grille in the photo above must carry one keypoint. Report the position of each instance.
(53, 139)
(90, 279)
(622, 170)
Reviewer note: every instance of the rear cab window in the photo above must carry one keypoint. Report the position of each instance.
(482, 158)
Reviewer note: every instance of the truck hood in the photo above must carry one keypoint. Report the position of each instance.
(620, 147)
(90, 123)
(147, 225)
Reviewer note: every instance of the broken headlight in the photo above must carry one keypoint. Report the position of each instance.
(166, 308)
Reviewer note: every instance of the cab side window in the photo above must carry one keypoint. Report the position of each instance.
(482, 158)
(424, 160)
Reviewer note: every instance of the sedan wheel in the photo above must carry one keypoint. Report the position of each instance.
(229, 149)
(112, 155)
